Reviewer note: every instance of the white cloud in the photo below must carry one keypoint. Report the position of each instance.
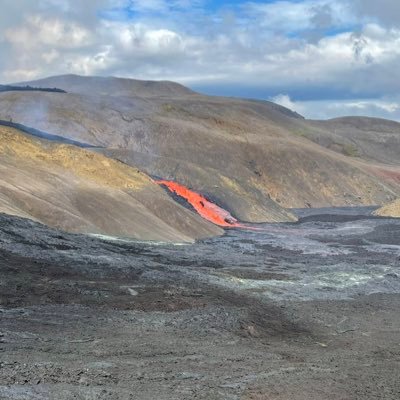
(142, 39)
(388, 108)
(13, 75)
(285, 101)
(363, 105)
(46, 32)
(90, 65)
(386, 12)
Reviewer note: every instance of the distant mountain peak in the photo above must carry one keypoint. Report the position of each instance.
(111, 85)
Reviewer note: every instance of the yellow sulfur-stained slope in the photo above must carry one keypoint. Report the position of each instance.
(77, 190)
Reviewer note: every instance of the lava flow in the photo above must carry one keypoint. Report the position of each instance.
(205, 208)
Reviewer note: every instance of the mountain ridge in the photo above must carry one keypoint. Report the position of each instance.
(98, 84)
(252, 158)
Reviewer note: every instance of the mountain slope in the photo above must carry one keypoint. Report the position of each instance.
(80, 191)
(372, 139)
(245, 155)
(97, 85)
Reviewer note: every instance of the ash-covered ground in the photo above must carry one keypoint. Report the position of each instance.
(303, 311)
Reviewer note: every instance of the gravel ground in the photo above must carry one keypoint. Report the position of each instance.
(298, 311)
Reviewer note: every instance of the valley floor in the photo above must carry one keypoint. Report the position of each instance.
(302, 311)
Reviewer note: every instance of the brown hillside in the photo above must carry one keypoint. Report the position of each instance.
(80, 191)
(373, 139)
(112, 86)
(246, 155)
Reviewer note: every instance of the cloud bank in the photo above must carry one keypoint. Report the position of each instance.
(322, 59)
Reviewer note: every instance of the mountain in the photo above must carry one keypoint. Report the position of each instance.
(76, 190)
(253, 158)
(97, 85)
(373, 139)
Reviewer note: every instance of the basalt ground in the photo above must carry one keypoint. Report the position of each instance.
(305, 310)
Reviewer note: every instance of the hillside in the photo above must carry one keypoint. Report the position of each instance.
(373, 139)
(70, 188)
(247, 156)
(97, 85)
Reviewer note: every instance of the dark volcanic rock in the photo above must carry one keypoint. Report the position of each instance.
(292, 311)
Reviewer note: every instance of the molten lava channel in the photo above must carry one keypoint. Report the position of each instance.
(205, 208)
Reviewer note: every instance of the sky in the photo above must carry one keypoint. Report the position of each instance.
(320, 58)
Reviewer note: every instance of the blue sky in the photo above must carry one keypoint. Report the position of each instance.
(319, 57)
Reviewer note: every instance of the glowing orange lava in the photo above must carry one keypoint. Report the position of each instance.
(205, 208)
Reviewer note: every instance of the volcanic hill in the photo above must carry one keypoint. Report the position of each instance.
(70, 188)
(252, 158)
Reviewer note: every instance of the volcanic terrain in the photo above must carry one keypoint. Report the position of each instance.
(102, 178)
(302, 311)
(249, 157)
(76, 190)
